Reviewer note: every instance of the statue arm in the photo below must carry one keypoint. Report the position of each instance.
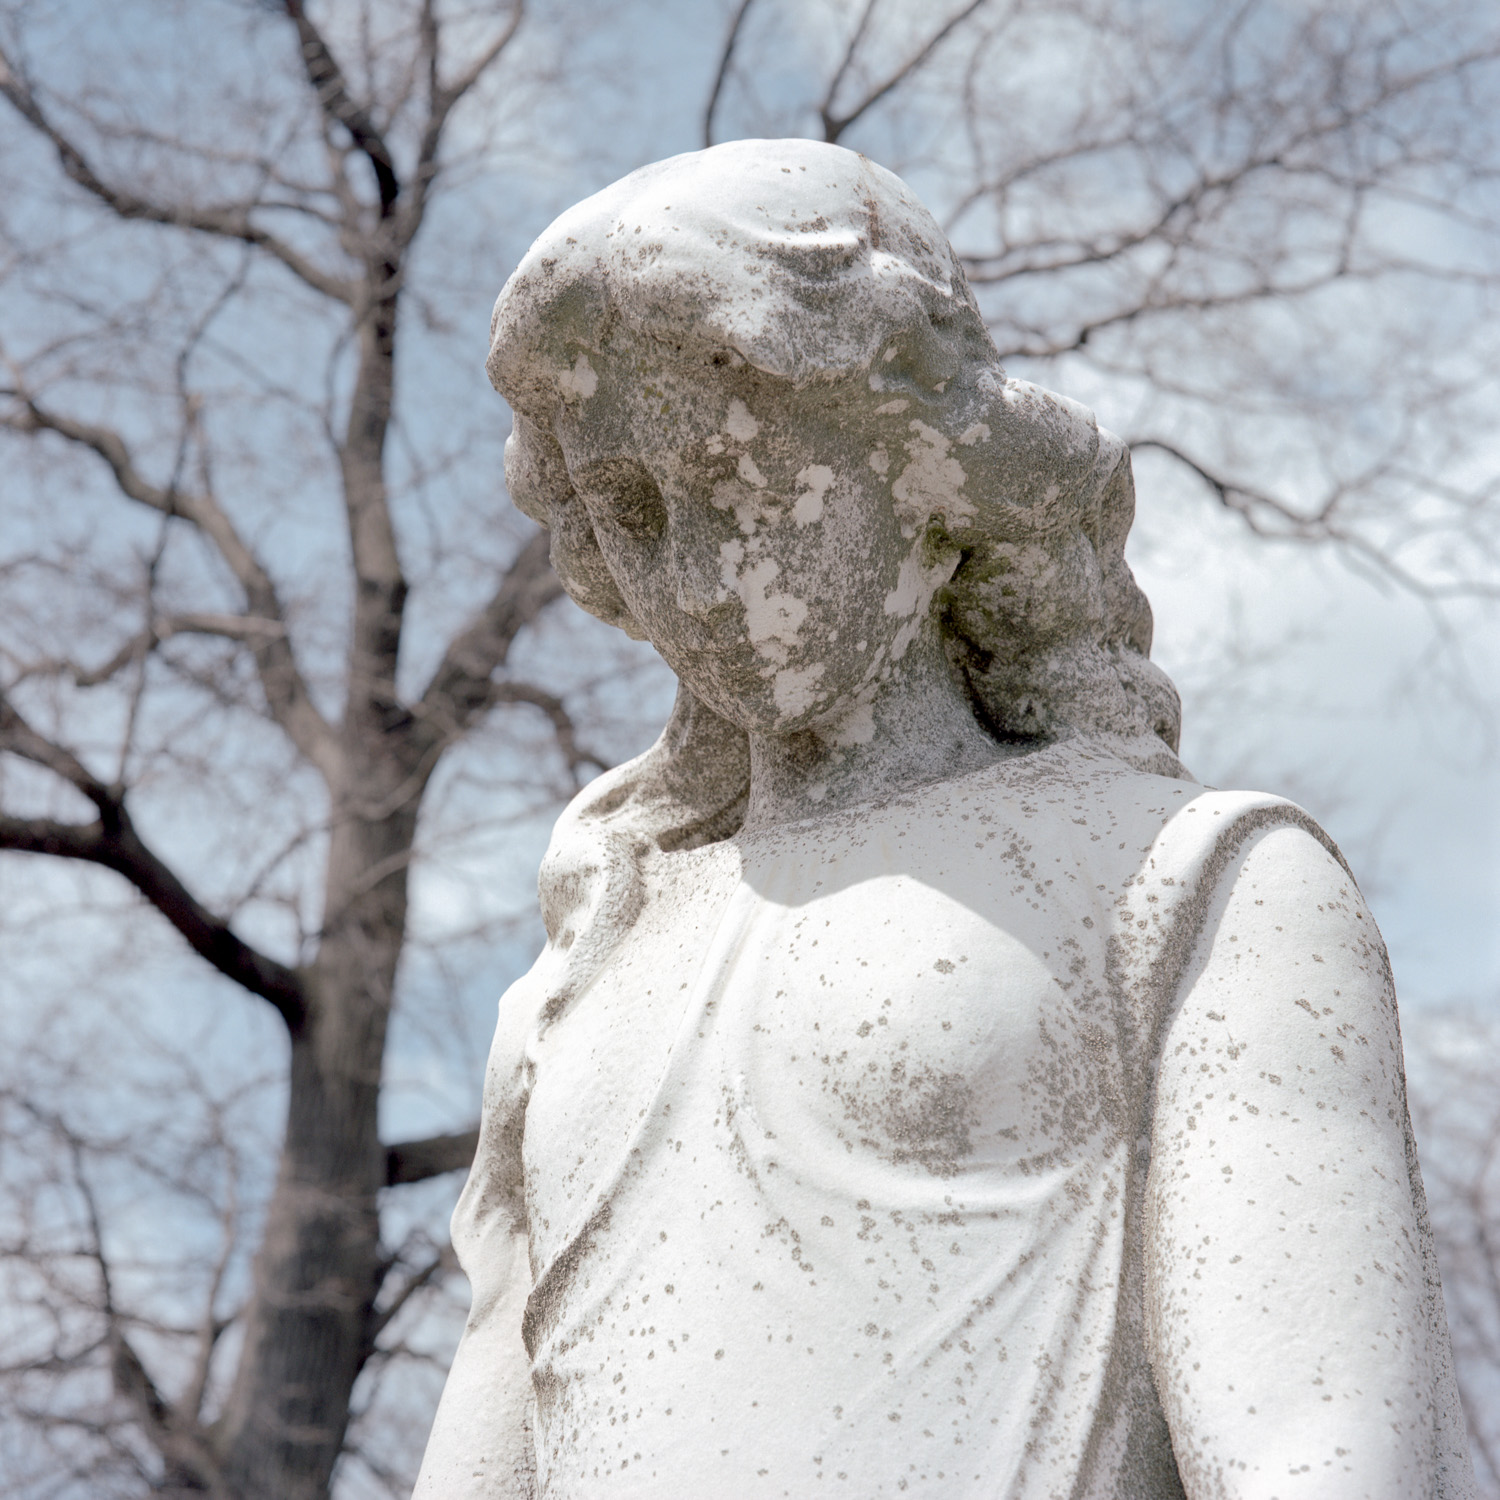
(1287, 1308)
(481, 1443)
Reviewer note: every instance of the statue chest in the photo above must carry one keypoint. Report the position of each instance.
(909, 1013)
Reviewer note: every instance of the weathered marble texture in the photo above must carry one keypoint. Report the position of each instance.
(927, 1087)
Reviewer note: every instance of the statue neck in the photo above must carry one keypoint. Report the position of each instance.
(917, 728)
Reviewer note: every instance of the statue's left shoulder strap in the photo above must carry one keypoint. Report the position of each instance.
(1159, 912)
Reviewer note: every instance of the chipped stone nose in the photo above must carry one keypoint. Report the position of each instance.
(699, 589)
(697, 601)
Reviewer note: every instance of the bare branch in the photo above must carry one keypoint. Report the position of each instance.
(986, 268)
(112, 841)
(1149, 304)
(825, 109)
(242, 629)
(563, 727)
(28, 416)
(327, 80)
(262, 630)
(182, 1443)
(471, 75)
(1275, 519)
(212, 1326)
(119, 848)
(227, 221)
(247, 628)
(726, 57)
(441, 99)
(416, 1161)
(1286, 155)
(835, 125)
(444, 1260)
(460, 689)
(19, 738)
(87, 677)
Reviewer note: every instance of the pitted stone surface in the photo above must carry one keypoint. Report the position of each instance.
(927, 1087)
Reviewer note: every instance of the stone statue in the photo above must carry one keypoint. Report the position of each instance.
(927, 1087)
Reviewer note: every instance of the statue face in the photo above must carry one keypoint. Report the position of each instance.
(750, 531)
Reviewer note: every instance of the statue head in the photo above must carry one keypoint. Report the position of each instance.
(760, 412)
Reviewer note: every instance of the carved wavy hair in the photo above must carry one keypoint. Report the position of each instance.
(821, 271)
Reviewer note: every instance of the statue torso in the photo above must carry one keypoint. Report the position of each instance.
(827, 1172)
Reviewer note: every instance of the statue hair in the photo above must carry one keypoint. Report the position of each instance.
(807, 266)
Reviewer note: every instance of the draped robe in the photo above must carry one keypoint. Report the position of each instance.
(833, 1177)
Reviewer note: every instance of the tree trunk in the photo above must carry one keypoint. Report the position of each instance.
(318, 1269)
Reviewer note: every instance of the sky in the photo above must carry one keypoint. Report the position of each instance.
(1307, 678)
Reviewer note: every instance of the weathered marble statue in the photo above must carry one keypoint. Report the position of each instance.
(927, 1086)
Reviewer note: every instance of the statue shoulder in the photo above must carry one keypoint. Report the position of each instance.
(1180, 875)
(1206, 831)
(1170, 830)
(1084, 784)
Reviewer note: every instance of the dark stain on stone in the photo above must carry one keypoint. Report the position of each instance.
(914, 1116)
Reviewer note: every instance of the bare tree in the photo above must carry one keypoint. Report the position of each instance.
(323, 198)
(263, 596)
